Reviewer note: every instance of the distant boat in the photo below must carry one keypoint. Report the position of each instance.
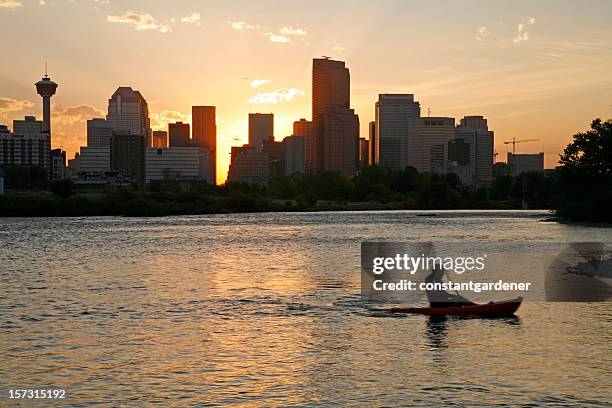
(493, 309)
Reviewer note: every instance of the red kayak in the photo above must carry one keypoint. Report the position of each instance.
(493, 309)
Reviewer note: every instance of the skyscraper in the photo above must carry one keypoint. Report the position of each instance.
(99, 132)
(204, 129)
(474, 132)
(305, 128)
(178, 134)
(261, 127)
(128, 113)
(428, 142)
(335, 146)
(393, 113)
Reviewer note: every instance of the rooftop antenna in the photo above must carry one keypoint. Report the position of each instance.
(46, 76)
(428, 112)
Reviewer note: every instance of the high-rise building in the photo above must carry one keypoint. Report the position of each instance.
(294, 155)
(127, 156)
(340, 137)
(248, 165)
(475, 133)
(428, 141)
(28, 145)
(305, 128)
(372, 143)
(261, 128)
(335, 146)
(276, 156)
(393, 113)
(160, 138)
(128, 113)
(178, 134)
(364, 152)
(99, 132)
(204, 128)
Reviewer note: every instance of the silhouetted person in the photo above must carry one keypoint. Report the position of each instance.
(442, 298)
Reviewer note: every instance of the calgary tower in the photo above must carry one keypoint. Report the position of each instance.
(46, 88)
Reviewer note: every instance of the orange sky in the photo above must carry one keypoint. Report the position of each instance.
(535, 70)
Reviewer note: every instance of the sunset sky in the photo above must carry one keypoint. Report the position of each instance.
(533, 69)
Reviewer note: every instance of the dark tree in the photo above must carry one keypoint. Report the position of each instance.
(586, 175)
(62, 188)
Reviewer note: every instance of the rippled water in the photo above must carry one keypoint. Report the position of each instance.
(264, 309)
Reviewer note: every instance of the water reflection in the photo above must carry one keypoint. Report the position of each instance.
(264, 309)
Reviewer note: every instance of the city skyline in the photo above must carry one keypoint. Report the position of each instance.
(513, 65)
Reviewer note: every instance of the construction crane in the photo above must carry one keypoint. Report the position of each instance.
(513, 142)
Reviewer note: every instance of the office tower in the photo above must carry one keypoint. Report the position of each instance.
(178, 134)
(305, 128)
(276, 156)
(475, 133)
(340, 141)
(523, 163)
(128, 113)
(364, 152)
(393, 112)
(178, 163)
(99, 132)
(127, 156)
(294, 155)
(204, 128)
(248, 165)
(46, 88)
(160, 138)
(373, 157)
(261, 127)
(427, 142)
(335, 146)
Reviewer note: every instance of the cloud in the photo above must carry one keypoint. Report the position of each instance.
(13, 105)
(276, 96)
(522, 33)
(76, 114)
(482, 33)
(283, 35)
(276, 38)
(140, 21)
(338, 48)
(292, 31)
(259, 82)
(194, 18)
(241, 25)
(159, 121)
(10, 4)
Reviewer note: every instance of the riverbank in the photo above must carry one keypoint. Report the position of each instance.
(148, 204)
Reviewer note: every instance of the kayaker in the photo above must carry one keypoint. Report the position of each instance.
(442, 298)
